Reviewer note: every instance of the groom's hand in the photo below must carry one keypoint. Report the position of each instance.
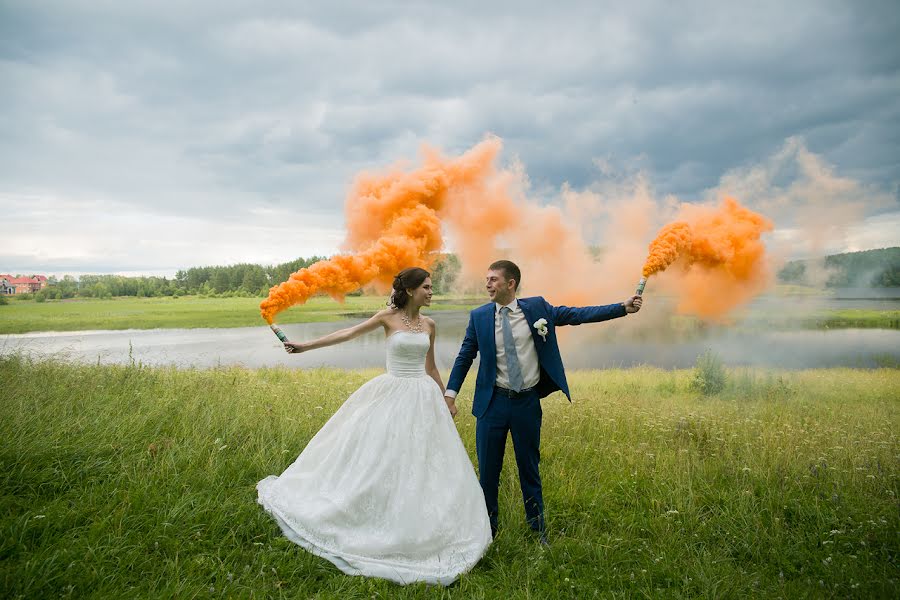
(451, 405)
(633, 304)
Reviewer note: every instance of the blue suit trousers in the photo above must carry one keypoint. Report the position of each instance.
(520, 415)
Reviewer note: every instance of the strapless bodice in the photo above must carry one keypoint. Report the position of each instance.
(406, 353)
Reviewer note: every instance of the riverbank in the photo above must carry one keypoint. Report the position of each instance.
(794, 319)
(123, 481)
(191, 312)
(186, 312)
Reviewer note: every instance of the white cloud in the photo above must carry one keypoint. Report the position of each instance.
(879, 231)
(202, 117)
(83, 236)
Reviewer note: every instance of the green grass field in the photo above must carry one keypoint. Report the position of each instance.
(193, 312)
(813, 319)
(838, 319)
(185, 312)
(129, 482)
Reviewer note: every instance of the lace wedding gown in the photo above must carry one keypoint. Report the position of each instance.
(385, 488)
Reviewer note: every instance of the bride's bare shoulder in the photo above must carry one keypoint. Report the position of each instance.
(389, 317)
(430, 324)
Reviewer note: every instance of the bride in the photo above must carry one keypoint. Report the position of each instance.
(385, 488)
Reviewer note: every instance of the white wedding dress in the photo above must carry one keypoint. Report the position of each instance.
(385, 488)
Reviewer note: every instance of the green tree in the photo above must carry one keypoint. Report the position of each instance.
(869, 268)
(254, 279)
(444, 273)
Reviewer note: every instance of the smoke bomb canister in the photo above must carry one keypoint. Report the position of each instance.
(640, 287)
(279, 333)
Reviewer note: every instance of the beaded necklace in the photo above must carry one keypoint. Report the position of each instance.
(417, 328)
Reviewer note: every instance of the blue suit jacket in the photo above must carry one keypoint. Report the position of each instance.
(480, 340)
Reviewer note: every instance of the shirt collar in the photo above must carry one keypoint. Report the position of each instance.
(513, 306)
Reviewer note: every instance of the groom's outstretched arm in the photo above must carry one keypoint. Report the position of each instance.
(576, 315)
(467, 352)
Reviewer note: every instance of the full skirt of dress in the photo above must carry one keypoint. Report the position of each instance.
(385, 488)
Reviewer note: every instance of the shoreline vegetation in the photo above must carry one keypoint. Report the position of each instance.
(129, 481)
(228, 296)
(188, 312)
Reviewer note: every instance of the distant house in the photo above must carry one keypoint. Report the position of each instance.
(21, 285)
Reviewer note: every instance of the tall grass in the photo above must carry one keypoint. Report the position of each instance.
(122, 481)
(709, 374)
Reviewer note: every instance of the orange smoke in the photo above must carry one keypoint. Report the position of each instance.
(671, 242)
(722, 258)
(393, 222)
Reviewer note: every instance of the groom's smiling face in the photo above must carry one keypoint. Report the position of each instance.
(499, 288)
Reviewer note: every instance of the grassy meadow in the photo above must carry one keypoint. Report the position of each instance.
(129, 482)
(185, 312)
(846, 318)
(23, 316)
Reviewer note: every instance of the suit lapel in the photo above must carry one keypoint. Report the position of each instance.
(487, 324)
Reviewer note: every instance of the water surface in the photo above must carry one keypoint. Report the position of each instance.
(603, 345)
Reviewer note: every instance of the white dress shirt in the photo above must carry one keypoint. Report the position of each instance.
(525, 350)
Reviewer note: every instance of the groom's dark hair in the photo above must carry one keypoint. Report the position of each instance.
(510, 270)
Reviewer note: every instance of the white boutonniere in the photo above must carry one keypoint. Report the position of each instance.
(541, 326)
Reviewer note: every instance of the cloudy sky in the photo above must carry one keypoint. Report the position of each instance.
(144, 137)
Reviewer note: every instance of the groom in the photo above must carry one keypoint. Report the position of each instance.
(520, 364)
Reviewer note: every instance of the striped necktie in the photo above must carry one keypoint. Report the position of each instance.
(509, 347)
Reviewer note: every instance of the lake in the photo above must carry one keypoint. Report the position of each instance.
(620, 343)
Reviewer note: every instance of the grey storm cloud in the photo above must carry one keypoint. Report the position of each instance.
(234, 112)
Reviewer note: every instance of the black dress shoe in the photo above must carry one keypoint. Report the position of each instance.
(543, 540)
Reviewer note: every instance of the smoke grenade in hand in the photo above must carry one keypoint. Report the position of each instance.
(640, 287)
(279, 333)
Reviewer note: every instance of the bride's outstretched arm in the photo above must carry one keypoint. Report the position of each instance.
(337, 337)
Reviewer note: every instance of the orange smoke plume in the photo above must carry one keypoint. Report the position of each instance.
(672, 241)
(393, 222)
(721, 255)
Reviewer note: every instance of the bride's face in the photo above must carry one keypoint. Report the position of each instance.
(421, 296)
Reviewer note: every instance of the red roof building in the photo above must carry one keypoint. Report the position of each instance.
(21, 285)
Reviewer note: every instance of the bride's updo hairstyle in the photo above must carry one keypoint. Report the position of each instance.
(407, 279)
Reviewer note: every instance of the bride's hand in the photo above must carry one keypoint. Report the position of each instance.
(292, 348)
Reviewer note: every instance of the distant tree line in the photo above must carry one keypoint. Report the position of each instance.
(242, 280)
(869, 268)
